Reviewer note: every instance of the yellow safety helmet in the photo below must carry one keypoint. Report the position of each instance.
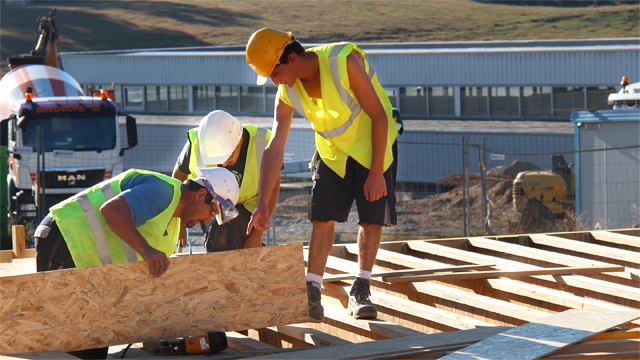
(264, 49)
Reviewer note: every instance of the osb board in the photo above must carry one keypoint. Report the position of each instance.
(93, 307)
(543, 337)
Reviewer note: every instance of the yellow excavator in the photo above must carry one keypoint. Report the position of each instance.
(47, 50)
(553, 190)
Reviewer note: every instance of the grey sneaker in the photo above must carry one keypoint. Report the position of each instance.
(314, 295)
(360, 307)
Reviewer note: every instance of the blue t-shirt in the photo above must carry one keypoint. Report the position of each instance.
(147, 197)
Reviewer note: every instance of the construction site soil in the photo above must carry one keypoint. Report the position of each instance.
(439, 215)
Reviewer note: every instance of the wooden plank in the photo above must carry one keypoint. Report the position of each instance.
(543, 337)
(17, 232)
(240, 342)
(309, 335)
(43, 355)
(392, 346)
(342, 277)
(501, 274)
(617, 334)
(630, 296)
(99, 306)
(611, 346)
(6, 256)
(598, 252)
(383, 328)
(25, 265)
(615, 238)
(547, 258)
(629, 355)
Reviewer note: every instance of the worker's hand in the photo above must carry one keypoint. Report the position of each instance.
(259, 218)
(375, 187)
(157, 260)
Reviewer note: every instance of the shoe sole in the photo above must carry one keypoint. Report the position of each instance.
(365, 316)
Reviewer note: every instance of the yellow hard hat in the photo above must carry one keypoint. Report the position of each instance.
(264, 49)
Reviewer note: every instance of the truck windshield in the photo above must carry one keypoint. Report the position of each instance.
(78, 134)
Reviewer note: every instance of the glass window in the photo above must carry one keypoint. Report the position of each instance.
(392, 94)
(270, 98)
(133, 97)
(473, 100)
(156, 98)
(536, 101)
(504, 101)
(566, 99)
(413, 100)
(441, 100)
(597, 97)
(178, 98)
(251, 99)
(203, 98)
(227, 98)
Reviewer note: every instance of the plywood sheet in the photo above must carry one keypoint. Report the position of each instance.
(543, 337)
(76, 309)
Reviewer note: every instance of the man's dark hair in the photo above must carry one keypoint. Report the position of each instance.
(293, 48)
(194, 186)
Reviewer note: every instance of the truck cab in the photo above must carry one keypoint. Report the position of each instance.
(60, 141)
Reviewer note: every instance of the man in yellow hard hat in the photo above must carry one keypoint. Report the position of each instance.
(221, 140)
(335, 88)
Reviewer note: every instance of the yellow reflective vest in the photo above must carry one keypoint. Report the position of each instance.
(91, 241)
(342, 128)
(258, 139)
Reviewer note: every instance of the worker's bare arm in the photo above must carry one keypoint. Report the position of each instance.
(375, 186)
(118, 216)
(271, 165)
(177, 174)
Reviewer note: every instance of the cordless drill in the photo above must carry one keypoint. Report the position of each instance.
(211, 342)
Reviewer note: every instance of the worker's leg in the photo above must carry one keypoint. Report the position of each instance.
(331, 200)
(372, 216)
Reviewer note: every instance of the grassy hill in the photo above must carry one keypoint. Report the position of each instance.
(107, 25)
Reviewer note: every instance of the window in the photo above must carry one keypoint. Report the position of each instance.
(203, 98)
(504, 101)
(270, 98)
(227, 98)
(251, 99)
(441, 100)
(473, 100)
(536, 101)
(156, 98)
(178, 98)
(566, 99)
(413, 100)
(597, 97)
(133, 97)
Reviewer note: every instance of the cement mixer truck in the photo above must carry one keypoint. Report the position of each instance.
(60, 141)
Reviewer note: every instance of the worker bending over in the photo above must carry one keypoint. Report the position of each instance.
(334, 88)
(220, 140)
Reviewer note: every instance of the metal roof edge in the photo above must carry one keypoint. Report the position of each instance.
(605, 115)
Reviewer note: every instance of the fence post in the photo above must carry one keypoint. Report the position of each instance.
(465, 185)
(483, 180)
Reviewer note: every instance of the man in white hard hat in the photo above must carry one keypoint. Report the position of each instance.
(335, 88)
(134, 216)
(221, 140)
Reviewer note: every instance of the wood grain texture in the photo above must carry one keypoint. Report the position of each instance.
(92, 307)
(543, 337)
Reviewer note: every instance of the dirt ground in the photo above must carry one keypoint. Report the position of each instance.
(433, 216)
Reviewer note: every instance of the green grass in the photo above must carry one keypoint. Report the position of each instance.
(108, 25)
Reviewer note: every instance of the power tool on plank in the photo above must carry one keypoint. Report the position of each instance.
(211, 342)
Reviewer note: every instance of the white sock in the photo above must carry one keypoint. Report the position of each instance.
(364, 274)
(316, 280)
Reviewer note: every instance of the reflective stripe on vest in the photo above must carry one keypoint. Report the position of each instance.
(355, 108)
(96, 227)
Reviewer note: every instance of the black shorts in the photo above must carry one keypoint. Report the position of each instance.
(229, 236)
(52, 252)
(332, 196)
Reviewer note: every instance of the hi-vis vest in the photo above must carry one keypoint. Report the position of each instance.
(258, 138)
(91, 241)
(342, 128)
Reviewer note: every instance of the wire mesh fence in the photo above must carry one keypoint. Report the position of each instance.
(449, 184)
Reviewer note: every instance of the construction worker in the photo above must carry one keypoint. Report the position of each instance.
(134, 216)
(334, 88)
(221, 140)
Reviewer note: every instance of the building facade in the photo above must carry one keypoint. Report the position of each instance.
(509, 80)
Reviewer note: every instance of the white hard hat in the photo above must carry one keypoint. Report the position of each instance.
(222, 181)
(218, 135)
